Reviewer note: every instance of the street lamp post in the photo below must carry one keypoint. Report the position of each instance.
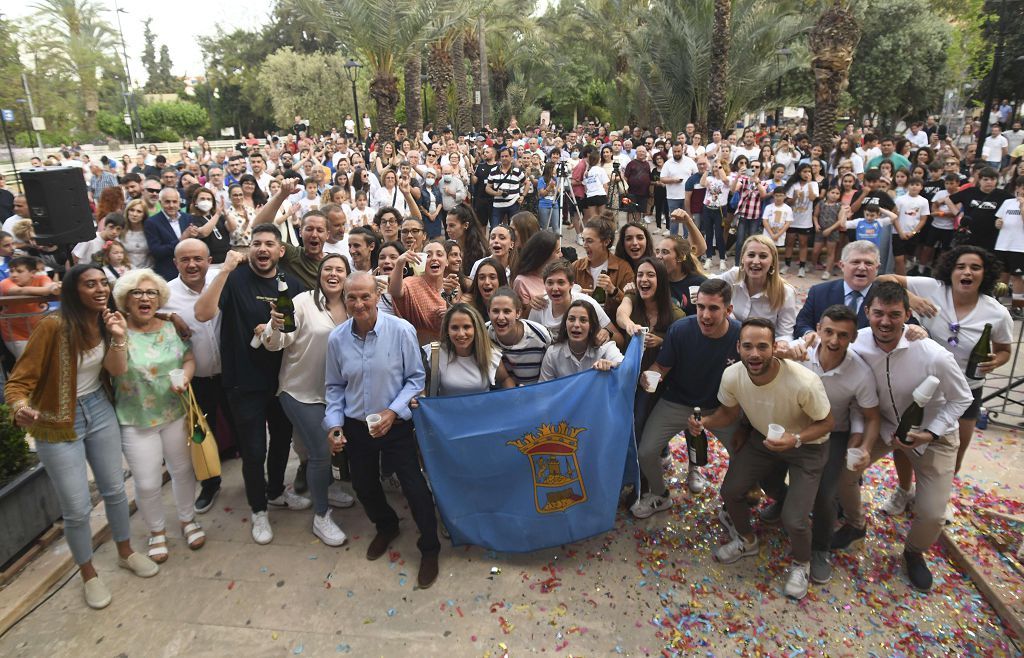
(352, 71)
(129, 100)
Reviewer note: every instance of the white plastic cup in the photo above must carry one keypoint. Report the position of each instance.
(651, 380)
(853, 455)
(693, 293)
(372, 421)
(775, 432)
(177, 378)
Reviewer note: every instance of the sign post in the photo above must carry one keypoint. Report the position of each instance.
(5, 117)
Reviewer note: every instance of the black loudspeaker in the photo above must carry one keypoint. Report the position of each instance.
(59, 205)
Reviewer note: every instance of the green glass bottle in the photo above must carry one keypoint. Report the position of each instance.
(284, 305)
(980, 354)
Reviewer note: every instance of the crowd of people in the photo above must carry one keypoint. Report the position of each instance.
(434, 264)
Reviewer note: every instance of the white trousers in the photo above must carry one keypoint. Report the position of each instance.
(146, 449)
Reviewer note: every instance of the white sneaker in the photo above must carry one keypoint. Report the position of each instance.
(726, 520)
(648, 219)
(796, 581)
(801, 272)
(826, 276)
(338, 497)
(706, 264)
(898, 501)
(291, 500)
(650, 504)
(783, 269)
(327, 530)
(695, 480)
(722, 266)
(579, 240)
(261, 532)
(950, 514)
(736, 550)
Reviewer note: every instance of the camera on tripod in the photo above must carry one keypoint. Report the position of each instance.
(615, 168)
(562, 170)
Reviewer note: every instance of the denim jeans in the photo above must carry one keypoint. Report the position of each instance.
(711, 227)
(549, 218)
(497, 214)
(826, 502)
(744, 229)
(399, 446)
(673, 225)
(307, 420)
(255, 412)
(99, 444)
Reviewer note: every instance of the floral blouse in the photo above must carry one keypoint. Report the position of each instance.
(143, 395)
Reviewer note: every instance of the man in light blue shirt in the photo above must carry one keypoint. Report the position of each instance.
(374, 368)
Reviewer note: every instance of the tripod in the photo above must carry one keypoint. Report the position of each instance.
(618, 195)
(562, 183)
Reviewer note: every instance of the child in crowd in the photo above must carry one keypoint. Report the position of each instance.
(828, 222)
(913, 212)
(89, 251)
(872, 227)
(945, 214)
(1009, 244)
(777, 217)
(361, 215)
(114, 260)
(18, 319)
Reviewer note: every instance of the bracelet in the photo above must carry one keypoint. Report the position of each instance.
(121, 347)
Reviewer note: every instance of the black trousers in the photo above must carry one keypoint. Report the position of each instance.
(254, 413)
(398, 448)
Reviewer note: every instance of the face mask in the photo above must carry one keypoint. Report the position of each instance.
(205, 205)
(447, 178)
(430, 180)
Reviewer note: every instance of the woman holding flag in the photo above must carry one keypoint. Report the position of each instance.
(467, 362)
(577, 347)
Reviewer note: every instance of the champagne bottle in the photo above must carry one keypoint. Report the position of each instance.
(697, 444)
(914, 414)
(285, 306)
(599, 294)
(980, 354)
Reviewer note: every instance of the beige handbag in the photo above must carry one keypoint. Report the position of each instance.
(202, 444)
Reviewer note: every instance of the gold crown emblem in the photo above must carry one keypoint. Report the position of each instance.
(547, 437)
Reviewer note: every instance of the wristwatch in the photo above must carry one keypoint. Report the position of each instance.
(798, 441)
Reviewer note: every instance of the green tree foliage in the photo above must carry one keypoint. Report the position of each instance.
(172, 121)
(900, 73)
(312, 85)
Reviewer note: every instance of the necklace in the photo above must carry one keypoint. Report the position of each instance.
(579, 356)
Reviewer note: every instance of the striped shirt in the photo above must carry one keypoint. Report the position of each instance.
(523, 360)
(509, 183)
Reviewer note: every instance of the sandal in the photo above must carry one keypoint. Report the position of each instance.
(194, 535)
(157, 548)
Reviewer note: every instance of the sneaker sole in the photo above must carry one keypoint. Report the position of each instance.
(795, 597)
(326, 541)
(208, 506)
(819, 581)
(263, 543)
(652, 512)
(334, 503)
(734, 560)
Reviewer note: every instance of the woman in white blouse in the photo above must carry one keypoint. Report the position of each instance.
(468, 361)
(301, 388)
(759, 291)
(577, 348)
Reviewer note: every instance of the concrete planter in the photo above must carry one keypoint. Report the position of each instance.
(28, 506)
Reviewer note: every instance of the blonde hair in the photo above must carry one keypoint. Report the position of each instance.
(130, 281)
(141, 204)
(689, 263)
(23, 230)
(775, 286)
(481, 342)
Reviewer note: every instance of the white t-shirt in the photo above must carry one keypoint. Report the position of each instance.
(992, 149)
(919, 140)
(987, 311)
(944, 222)
(803, 207)
(716, 193)
(1014, 138)
(357, 217)
(306, 204)
(911, 210)
(350, 126)
(84, 251)
(1011, 236)
(460, 375)
(777, 217)
(554, 324)
(751, 152)
(681, 169)
(595, 180)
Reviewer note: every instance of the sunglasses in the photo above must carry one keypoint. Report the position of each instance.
(153, 190)
(954, 339)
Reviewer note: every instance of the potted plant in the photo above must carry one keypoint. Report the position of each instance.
(28, 501)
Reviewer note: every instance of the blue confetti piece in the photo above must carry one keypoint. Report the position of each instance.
(297, 650)
(343, 648)
(391, 612)
(350, 594)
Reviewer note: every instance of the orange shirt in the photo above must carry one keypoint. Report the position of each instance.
(19, 328)
(420, 305)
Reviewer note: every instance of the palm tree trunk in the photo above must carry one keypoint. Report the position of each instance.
(720, 55)
(833, 41)
(484, 72)
(413, 94)
(439, 72)
(463, 105)
(91, 101)
(472, 53)
(384, 92)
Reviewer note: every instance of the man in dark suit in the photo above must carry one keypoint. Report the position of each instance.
(859, 263)
(165, 229)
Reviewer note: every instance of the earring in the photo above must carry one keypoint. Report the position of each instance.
(771, 270)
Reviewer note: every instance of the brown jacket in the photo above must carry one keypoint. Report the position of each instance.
(45, 378)
(619, 272)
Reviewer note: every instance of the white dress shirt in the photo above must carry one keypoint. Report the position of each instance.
(899, 372)
(305, 351)
(745, 305)
(559, 361)
(205, 335)
(850, 384)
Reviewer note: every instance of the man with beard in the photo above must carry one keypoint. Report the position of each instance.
(770, 391)
(304, 263)
(899, 366)
(243, 296)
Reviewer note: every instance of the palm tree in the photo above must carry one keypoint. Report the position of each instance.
(413, 92)
(78, 39)
(463, 107)
(676, 58)
(381, 33)
(440, 74)
(833, 42)
(720, 54)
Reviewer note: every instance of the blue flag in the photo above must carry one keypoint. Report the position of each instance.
(526, 468)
